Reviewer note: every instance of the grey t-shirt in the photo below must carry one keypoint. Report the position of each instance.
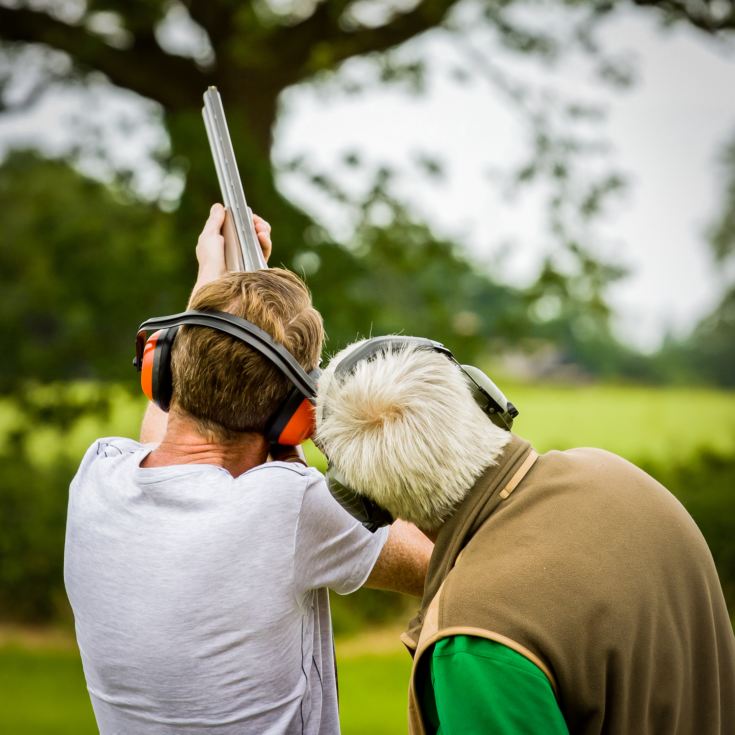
(200, 599)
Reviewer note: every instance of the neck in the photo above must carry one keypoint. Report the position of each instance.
(433, 534)
(184, 443)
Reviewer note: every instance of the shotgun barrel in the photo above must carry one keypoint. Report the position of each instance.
(242, 249)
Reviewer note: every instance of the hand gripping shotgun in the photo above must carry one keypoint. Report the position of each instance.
(242, 249)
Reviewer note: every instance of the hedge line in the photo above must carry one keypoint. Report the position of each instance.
(33, 507)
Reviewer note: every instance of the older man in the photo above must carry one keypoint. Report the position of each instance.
(198, 571)
(566, 592)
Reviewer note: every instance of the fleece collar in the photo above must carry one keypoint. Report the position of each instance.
(479, 504)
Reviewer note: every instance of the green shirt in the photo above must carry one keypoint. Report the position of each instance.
(480, 686)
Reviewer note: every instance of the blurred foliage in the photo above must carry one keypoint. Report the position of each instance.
(722, 230)
(96, 260)
(33, 500)
(706, 488)
(708, 354)
(81, 266)
(37, 465)
(82, 263)
(34, 497)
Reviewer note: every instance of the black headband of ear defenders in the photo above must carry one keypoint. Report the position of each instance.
(246, 332)
(490, 398)
(487, 395)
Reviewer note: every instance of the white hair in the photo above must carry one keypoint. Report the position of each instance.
(404, 430)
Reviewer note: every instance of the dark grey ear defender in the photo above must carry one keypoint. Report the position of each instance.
(367, 511)
(487, 395)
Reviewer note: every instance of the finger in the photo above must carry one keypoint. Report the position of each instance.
(265, 244)
(260, 223)
(213, 225)
(265, 240)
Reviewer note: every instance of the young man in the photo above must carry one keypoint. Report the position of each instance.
(198, 571)
(566, 592)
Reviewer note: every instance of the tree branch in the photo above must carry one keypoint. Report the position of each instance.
(30, 99)
(321, 41)
(217, 19)
(144, 68)
(705, 15)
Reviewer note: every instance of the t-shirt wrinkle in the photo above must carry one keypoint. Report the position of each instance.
(302, 601)
(200, 599)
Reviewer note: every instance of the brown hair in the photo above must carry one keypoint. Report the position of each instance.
(226, 386)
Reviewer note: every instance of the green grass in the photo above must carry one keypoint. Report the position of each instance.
(373, 693)
(640, 423)
(634, 421)
(43, 692)
(43, 688)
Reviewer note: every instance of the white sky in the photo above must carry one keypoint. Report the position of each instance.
(665, 133)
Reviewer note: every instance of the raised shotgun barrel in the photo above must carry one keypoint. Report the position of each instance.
(242, 249)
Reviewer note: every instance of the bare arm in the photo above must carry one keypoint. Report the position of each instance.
(210, 253)
(403, 562)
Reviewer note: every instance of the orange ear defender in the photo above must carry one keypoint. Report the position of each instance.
(155, 366)
(294, 420)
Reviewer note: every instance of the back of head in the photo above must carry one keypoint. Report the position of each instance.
(224, 385)
(404, 430)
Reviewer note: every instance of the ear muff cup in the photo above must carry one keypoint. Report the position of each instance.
(155, 375)
(489, 397)
(294, 421)
(367, 511)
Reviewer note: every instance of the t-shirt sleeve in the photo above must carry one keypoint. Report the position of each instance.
(478, 685)
(332, 549)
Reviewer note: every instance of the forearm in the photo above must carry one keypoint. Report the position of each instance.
(211, 258)
(403, 562)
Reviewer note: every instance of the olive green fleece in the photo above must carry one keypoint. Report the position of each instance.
(596, 573)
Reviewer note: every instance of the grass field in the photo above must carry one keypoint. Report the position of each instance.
(41, 681)
(43, 690)
(635, 421)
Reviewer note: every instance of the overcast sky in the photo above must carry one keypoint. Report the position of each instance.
(665, 134)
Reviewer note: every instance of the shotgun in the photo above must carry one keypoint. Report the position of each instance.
(242, 249)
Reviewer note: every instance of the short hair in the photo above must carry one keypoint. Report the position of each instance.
(404, 430)
(227, 387)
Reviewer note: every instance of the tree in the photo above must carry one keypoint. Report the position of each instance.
(708, 354)
(82, 262)
(254, 51)
(79, 261)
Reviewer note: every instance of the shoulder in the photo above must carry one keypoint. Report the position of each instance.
(115, 446)
(281, 487)
(293, 470)
(106, 448)
(293, 478)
